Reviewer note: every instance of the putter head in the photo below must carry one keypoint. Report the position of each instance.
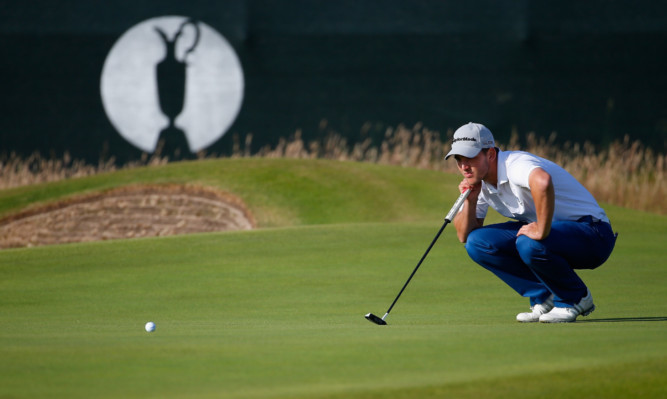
(373, 318)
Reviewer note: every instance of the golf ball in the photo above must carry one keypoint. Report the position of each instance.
(150, 326)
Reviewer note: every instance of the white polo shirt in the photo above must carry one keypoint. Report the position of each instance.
(512, 197)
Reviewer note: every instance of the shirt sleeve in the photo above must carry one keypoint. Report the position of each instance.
(519, 167)
(482, 207)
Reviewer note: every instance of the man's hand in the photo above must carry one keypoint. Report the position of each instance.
(474, 190)
(531, 230)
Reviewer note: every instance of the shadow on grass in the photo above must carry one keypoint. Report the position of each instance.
(623, 319)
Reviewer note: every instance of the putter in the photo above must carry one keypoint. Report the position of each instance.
(381, 320)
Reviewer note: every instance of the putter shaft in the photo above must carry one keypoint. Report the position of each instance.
(448, 219)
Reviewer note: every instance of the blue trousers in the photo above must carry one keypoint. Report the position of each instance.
(537, 269)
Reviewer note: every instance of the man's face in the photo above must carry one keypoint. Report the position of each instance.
(473, 169)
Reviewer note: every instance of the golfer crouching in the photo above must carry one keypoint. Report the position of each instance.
(558, 227)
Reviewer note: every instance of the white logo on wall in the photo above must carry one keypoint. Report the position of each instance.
(172, 79)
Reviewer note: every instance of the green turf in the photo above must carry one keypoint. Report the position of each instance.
(278, 313)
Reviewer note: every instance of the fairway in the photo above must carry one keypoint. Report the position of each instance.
(279, 313)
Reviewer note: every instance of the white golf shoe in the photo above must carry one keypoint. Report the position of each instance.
(568, 315)
(537, 310)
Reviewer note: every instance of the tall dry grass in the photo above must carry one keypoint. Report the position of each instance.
(624, 173)
(16, 171)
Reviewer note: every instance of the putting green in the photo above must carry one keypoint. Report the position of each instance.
(279, 313)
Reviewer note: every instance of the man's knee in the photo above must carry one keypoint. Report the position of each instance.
(531, 251)
(477, 245)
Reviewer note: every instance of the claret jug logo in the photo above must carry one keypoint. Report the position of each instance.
(173, 81)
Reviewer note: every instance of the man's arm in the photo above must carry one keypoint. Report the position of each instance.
(542, 190)
(466, 220)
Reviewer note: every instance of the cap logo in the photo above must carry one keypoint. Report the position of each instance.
(464, 139)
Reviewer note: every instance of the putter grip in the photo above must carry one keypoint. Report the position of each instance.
(457, 205)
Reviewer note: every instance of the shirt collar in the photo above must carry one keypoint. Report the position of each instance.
(501, 168)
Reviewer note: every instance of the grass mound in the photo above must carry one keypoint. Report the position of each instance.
(279, 192)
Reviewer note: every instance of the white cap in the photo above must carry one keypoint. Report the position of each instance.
(470, 139)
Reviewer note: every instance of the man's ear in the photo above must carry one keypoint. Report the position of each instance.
(492, 153)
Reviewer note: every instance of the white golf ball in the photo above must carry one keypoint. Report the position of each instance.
(150, 326)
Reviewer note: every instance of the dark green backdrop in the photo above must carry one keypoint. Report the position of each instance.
(593, 70)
